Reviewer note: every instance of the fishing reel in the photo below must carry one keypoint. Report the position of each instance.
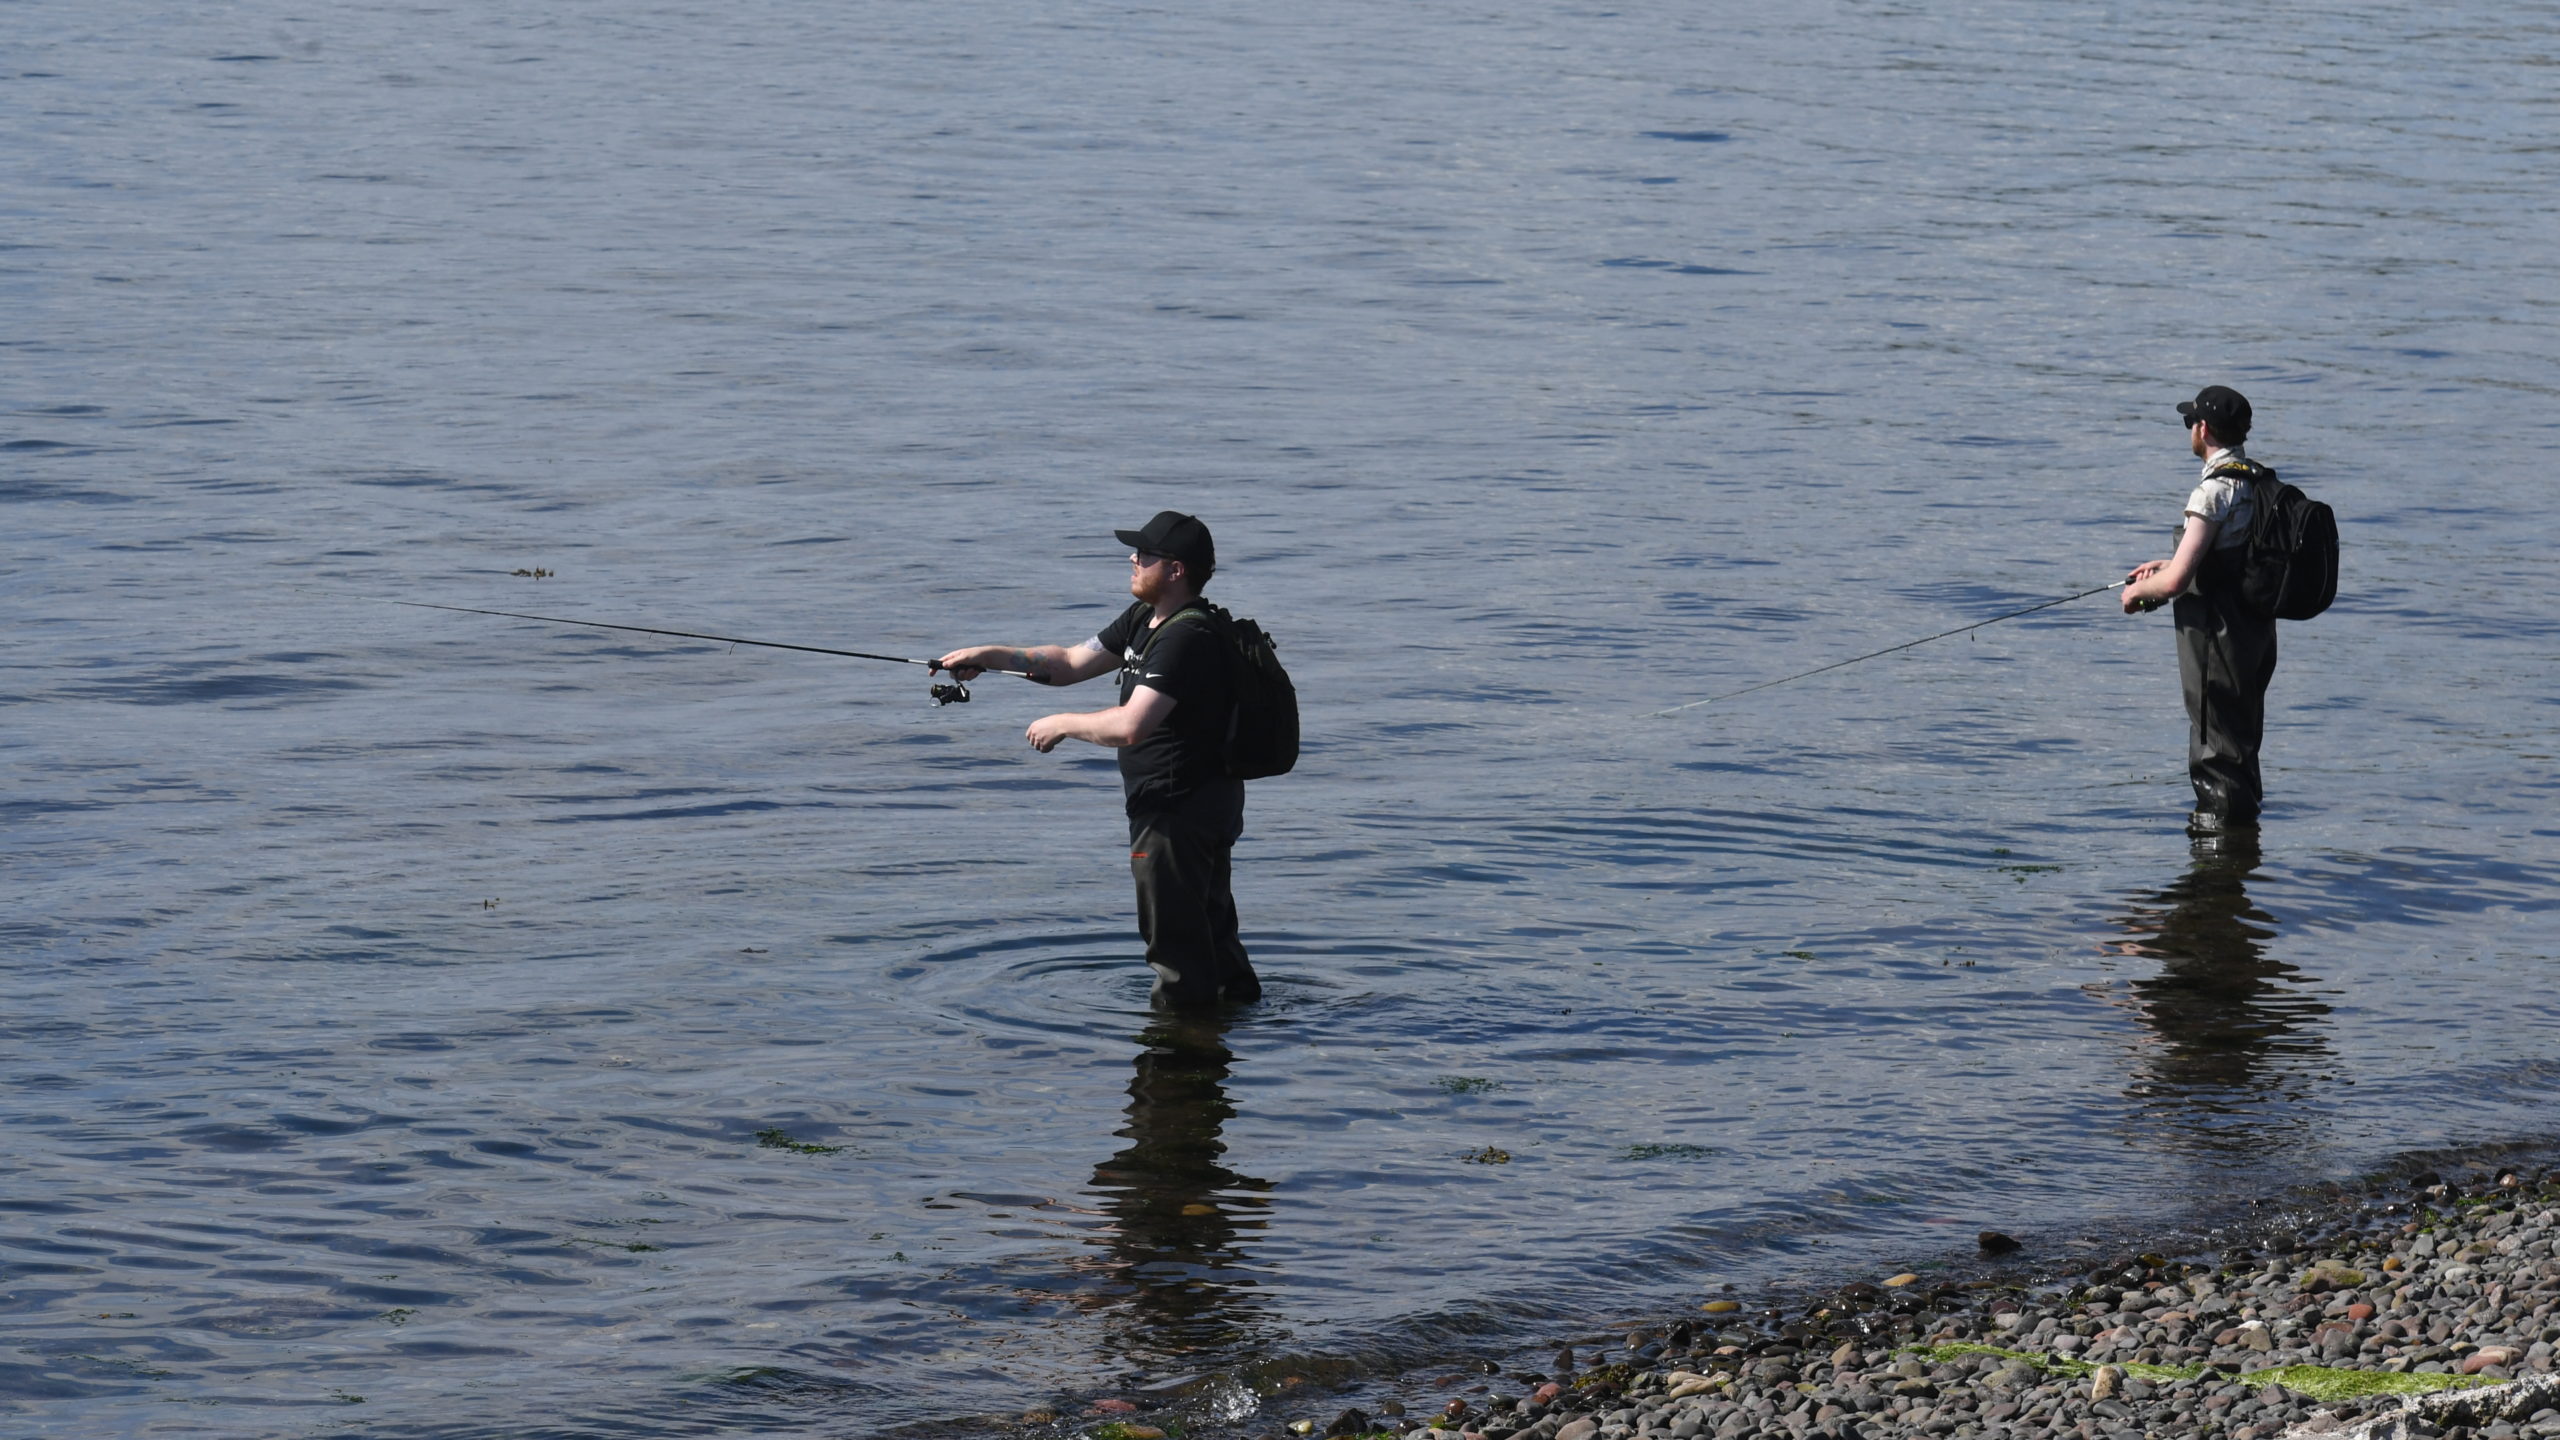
(955, 693)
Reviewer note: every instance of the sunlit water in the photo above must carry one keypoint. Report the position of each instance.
(396, 998)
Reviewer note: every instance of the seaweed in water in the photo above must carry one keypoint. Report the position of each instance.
(774, 1138)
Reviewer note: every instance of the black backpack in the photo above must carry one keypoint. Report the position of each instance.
(1262, 734)
(2288, 568)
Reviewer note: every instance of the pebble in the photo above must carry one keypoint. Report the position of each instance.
(2425, 1276)
(2488, 1355)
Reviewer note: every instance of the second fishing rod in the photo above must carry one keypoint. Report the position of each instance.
(1889, 650)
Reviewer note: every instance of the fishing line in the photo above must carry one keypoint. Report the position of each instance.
(1888, 650)
(952, 694)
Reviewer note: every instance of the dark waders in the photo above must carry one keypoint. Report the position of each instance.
(2225, 661)
(1182, 862)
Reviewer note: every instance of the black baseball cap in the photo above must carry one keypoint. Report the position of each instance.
(2220, 406)
(1176, 536)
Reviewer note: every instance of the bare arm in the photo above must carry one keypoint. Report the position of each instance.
(1044, 664)
(2153, 583)
(1121, 725)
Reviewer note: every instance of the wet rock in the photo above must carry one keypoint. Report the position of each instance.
(1898, 1281)
(1354, 1421)
(1992, 1242)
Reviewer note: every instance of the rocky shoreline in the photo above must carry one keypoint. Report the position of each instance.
(2426, 1305)
(2398, 1316)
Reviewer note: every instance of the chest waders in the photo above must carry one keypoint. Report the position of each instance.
(2226, 660)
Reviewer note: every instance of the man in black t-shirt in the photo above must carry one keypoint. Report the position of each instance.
(1177, 694)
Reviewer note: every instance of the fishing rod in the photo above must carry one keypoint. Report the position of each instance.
(956, 693)
(1888, 650)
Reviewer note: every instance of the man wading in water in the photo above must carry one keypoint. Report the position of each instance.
(2226, 657)
(1170, 727)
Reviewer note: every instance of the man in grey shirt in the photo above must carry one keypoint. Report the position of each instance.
(2226, 657)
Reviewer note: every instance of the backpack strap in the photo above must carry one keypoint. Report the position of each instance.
(1207, 613)
(2261, 482)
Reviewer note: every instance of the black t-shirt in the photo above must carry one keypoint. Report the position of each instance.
(1186, 757)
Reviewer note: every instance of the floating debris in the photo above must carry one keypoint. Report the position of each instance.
(1668, 1151)
(774, 1138)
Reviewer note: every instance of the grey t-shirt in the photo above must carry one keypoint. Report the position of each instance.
(2224, 502)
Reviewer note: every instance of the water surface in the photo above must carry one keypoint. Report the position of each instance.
(397, 999)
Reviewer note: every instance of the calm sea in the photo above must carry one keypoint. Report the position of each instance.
(430, 1025)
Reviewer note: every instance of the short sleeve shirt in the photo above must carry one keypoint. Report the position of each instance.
(2223, 502)
(1187, 660)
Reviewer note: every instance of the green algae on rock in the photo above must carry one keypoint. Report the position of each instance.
(2320, 1382)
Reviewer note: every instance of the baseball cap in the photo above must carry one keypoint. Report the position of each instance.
(1176, 535)
(2225, 409)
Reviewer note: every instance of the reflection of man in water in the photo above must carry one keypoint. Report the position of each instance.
(1182, 1278)
(2231, 1019)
